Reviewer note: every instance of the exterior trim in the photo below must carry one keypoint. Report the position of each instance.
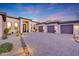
(25, 18)
(12, 17)
(64, 22)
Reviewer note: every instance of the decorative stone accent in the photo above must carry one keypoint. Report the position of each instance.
(25, 50)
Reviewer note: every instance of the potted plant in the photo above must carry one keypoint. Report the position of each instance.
(5, 33)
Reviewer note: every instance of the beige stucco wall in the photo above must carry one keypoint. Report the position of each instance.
(33, 24)
(12, 20)
(76, 28)
(1, 31)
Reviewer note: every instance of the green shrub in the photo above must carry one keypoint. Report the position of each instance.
(6, 47)
(17, 33)
(6, 31)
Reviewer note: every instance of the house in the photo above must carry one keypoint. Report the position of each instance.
(63, 27)
(15, 24)
(22, 25)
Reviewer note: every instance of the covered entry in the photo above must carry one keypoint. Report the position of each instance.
(50, 29)
(25, 26)
(67, 29)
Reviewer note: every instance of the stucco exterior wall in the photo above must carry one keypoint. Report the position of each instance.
(12, 20)
(76, 28)
(33, 24)
(1, 31)
(30, 24)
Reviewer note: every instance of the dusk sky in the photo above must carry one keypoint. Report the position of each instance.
(43, 11)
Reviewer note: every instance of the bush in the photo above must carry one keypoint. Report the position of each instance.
(6, 47)
(17, 33)
(6, 32)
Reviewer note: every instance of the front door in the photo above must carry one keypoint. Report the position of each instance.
(24, 27)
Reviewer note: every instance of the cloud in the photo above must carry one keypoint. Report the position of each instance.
(51, 6)
(65, 15)
(28, 9)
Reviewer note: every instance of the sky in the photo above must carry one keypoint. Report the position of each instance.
(42, 11)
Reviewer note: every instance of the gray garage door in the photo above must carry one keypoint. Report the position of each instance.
(67, 29)
(50, 29)
(40, 28)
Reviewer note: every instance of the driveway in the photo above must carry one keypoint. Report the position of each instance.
(48, 44)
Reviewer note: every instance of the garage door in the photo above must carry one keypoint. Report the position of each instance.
(40, 28)
(67, 29)
(50, 29)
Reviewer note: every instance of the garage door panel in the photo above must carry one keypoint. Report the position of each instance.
(50, 29)
(40, 28)
(67, 29)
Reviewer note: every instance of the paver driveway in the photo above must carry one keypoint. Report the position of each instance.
(49, 44)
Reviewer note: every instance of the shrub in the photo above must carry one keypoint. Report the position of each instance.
(17, 33)
(6, 47)
(6, 32)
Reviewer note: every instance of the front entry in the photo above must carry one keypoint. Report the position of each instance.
(24, 27)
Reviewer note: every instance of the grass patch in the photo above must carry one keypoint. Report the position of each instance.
(6, 47)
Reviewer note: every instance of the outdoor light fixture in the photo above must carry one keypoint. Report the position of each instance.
(56, 27)
(76, 26)
(16, 25)
(8, 24)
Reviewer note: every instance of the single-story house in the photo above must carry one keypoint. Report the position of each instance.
(23, 25)
(15, 24)
(63, 27)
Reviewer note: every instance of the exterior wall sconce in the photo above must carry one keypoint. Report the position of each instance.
(76, 27)
(16, 24)
(9, 25)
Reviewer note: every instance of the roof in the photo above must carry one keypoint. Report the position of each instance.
(19, 18)
(47, 22)
(25, 18)
(35, 21)
(12, 17)
(4, 13)
(77, 21)
(58, 22)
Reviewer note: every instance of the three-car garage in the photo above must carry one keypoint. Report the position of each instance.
(64, 29)
(71, 27)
